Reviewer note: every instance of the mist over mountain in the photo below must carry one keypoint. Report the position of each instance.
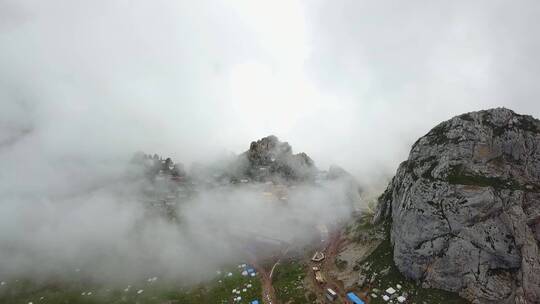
(170, 138)
(154, 217)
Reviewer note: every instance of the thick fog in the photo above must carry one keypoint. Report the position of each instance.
(108, 234)
(85, 84)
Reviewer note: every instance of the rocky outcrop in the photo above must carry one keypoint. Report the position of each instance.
(269, 158)
(153, 166)
(465, 208)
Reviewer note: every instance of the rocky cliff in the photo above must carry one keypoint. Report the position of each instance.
(465, 208)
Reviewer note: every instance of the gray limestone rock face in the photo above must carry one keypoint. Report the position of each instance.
(465, 208)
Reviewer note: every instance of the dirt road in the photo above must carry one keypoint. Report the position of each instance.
(327, 266)
(268, 292)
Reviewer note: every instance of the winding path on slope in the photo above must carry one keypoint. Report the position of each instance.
(327, 266)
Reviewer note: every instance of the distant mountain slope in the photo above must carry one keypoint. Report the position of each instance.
(465, 208)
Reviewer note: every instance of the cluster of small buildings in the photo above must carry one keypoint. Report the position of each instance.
(319, 277)
(392, 295)
(246, 271)
(330, 294)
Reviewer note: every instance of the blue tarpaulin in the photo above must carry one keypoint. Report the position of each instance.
(354, 298)
(255, 302)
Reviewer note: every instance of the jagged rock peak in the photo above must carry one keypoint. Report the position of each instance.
(268, 149)
(269, 157)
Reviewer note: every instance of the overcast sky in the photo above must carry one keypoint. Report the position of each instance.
(349, 82)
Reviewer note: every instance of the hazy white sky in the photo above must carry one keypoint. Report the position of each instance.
(349, 82)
